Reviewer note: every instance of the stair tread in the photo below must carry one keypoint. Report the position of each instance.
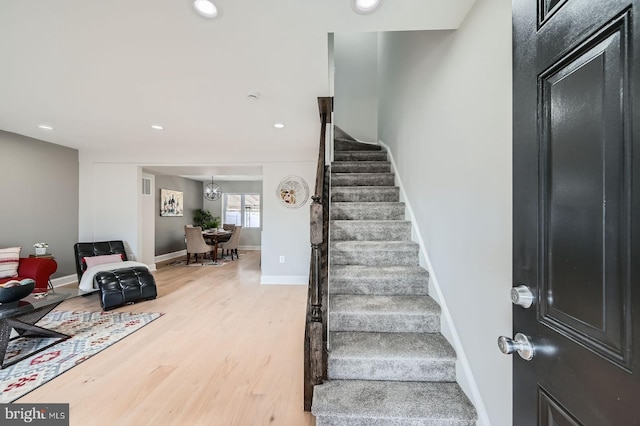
(375, 271)
(344, 144)
(360, 204)
(392, 400)
(382, 304)
(353, 344)
(373, 253)
(356, 148)
(415, 357)
(365, 188)
(384, 210)
(378, 155)
(360, 163)
(375, 245)
(371, 221)
(362, 174)
(379, 280)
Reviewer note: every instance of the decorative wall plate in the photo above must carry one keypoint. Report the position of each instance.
(293, 192)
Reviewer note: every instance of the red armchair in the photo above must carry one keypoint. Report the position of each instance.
(38, 269)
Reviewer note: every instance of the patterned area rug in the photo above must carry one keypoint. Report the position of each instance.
(206, 262)
(91, 333)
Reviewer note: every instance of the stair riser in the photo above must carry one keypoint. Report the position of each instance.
(361, 167)
(370, 230)
(418, 370)
(389, 403)
(397, 281)
(374, 258)
(360, 156)
(379, 287)
(391, 323)
(368, 421)
(367, 211)
(363, 194)
(348, 145)
(362, 179)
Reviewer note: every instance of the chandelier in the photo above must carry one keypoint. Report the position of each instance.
(212, 191)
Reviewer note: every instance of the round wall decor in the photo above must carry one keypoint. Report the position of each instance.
(293, 192)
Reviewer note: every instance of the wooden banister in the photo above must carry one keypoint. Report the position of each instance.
(315, 339)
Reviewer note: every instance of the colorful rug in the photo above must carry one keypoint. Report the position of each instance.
(91, 333)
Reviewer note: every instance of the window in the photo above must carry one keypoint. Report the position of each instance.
(242, 209)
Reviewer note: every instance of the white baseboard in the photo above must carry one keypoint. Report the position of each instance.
(66, 280)
(250, 248)
(467, 381)
(169, 256)
(284, 279)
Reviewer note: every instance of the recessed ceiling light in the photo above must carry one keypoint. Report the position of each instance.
(157, 127)
(45, 127)
(364, 7)
(206, 8)
(279, 126)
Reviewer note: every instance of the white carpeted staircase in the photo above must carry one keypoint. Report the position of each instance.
(388, 363)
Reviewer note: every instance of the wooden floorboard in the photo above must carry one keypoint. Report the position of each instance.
(228, 351)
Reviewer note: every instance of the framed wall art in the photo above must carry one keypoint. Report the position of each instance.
(293, 192)
(171, 203)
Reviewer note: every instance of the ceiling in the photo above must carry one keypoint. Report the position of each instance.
(102, 72)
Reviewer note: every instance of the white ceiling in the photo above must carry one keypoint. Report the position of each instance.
(102, 72)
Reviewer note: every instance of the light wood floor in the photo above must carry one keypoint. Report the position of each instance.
(228, 351)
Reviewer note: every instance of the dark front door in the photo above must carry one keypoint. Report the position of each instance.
(576, 200)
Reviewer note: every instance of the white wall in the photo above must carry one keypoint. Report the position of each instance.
(148, 222)
(113, 203)
(285, 230)
(355, 108)
(445, 112)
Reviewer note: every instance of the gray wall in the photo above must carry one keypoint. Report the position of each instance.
(249, 237)
(39, 188)
(170, 230)
(445, 112)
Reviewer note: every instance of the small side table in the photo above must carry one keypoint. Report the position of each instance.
(45, 256)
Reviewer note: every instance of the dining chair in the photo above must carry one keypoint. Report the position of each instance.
(232, 245)
(196, 243)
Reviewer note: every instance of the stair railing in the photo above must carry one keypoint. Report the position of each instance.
(315, 335)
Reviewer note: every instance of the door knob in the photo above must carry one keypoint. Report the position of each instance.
(520, 344)
(522, 296)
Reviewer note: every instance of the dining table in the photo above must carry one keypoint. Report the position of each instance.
(215, 237)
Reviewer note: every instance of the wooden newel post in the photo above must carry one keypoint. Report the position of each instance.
(315, 351)
(316, 242)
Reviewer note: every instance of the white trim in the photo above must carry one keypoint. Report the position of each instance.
(249, 247)
(66, 280)
(468, 384)
(169, 256)
(284, 279)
